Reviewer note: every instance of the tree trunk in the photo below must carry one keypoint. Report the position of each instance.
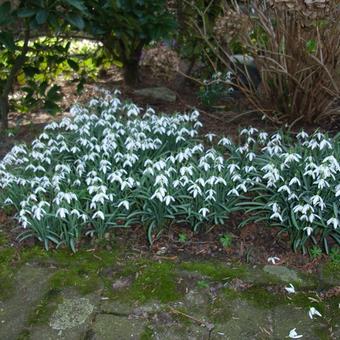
(4, 109)
(131, 72)
(131, 66)
(6, 90)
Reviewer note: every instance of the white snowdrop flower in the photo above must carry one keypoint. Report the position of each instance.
(242, 186)
(159, 193)
(38, 212)
(125, 204)
(98, 214)
(337, 190)
(161, 180)
(232, 167)
(195, 190)
(325, 144)
(295, 180)
(76, 213)
(62, 213)
(292, 197)
(309, 230)
(204, 212)
(284, 188)
(302, 135)
(313, 311)
(251, 156)
(168, 199)
(273, 259)
(225, 141)
(210, 136)
(221, 180)
(291, 157)
(8, 201)
(294, 335)
(321, 183)
(290, 289)
(277, 216)
(334, 221)
(233, 192)
(317, 201)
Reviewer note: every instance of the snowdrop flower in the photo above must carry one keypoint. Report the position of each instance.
(273, 259)
(233, 192)
(8, 201)
(313, 311)
(295, 180)
(284, 188)
(276, 215)
(210, 136)
(317, 200)
(334, 221)
(168, 199)
(204, 211)
(290, 289)
(225, 141)
(302, 135)
(294, 335)
(125, 204)
(337, 191)
(99, 214)
(309, 230)
(62, 212)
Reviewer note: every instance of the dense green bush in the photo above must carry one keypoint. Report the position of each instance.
(125, 27)
(110, 167)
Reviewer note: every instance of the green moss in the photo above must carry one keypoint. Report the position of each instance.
(262, 298)
(147, 334)
(220, 310)
(155, 281)
(215, 270)
(46, 307)
(331, 271)
(6, 272)
(80, 270)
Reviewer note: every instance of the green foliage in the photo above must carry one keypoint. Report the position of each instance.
(315, 252)
(215, 90)
(334, 255)
(28, 56)
(125, 27)
(182, 238)
(226, 240)
(108, 168)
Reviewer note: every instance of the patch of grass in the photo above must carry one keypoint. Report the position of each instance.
(214, 270)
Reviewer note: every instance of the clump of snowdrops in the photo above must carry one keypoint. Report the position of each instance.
(297, 187)
(110, 167)
(113, 165)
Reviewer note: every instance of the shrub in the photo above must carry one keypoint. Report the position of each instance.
(296, 47)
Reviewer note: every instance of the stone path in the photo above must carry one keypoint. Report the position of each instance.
(248, 304)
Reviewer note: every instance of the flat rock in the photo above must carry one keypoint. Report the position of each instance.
(283, 273)
(71, 313)
(31, 283)
(113, 327)
(71, 319)
(115, 307)
(158, 93)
